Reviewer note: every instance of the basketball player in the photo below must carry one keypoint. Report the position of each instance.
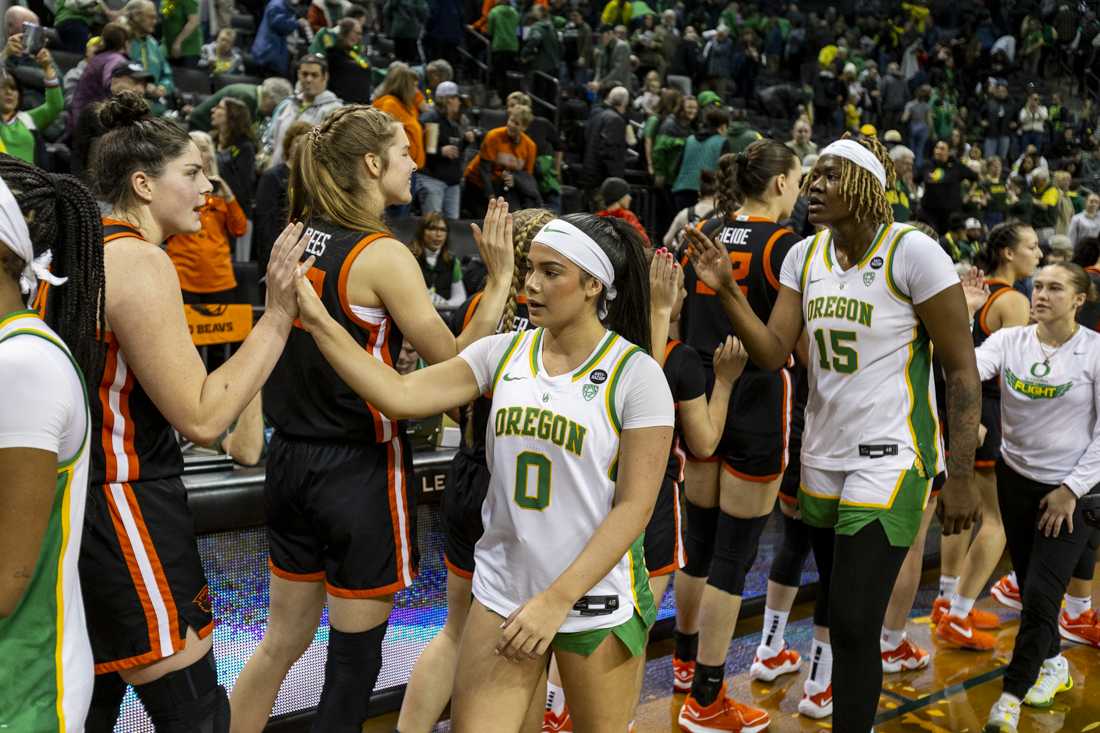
(579, 436)
(432, 678)
(873, 309)
(47, 673)
(146, 598)
(341, 517)
(727, 510)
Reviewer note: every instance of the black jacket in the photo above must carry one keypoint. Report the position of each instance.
(604, 147)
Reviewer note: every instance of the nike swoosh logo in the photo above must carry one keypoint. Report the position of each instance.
(968, 633)
(510, 378)
(816, 281)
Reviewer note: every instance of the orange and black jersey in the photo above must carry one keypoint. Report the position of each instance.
(997, 289)
(687, 380)
(305, 398)
(757, 248)
(482, 406)
(131, 439)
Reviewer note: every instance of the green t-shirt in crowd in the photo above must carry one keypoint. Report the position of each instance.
(174, 14)
(504, 27)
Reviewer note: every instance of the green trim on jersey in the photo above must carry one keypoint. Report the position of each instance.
(900, 518)
(923, 423)
(639, 582)
(27, 675)
(633, 633)
(876, 243)
(809, 259)
(613, 384)
(609, 340)
(507, 356)
(890, 282)
(533, 354)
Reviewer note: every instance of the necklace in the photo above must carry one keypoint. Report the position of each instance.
(1042, 368)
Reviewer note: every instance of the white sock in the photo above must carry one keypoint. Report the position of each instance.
(891, 640)
(948, 584)
(821, 664)
(775, 624)
(1016, 583)
(1076, 606)
(555, 699)
(961, 607)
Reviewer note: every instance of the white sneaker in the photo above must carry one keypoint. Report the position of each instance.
(1054, 677)
(1004, 717)
(768, 665)
(816, 703)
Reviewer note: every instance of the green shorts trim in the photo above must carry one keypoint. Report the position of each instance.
(900, 520)
(633, 633)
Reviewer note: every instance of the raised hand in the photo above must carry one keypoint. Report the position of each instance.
(730, 359)
(282, 270)
(495, 243)
(665, 280)
(976, 290)
(710, 260)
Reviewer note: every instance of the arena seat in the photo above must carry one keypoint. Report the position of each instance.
(66, 61)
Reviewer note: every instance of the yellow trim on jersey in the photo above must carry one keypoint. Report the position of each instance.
(809, 258)
(924, 470)
(609, 340)
(890, 265)
(875, 244)
(16, 315)
(613, 383)
(507, 357)
(824, 497)
(59, 590)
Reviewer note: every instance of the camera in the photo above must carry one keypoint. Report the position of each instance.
(34, 38)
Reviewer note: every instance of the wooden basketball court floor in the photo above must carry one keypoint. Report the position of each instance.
(952, 695)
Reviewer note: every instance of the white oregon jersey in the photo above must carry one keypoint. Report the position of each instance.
(47, 670)
(872, 401)
(553, 448)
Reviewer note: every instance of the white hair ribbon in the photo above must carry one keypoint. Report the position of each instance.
(16, 237)
(580, 249)
(861, 156)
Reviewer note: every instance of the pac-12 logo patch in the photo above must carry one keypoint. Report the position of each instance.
(876, 263)
(589, 391)
(868, 278)
(599, 376)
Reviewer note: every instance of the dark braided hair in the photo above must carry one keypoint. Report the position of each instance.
(63, 217)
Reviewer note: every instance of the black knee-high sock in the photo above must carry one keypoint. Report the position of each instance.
(189, 700)
(107, 697)
(354, 661)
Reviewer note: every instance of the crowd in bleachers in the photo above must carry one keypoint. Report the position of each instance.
(622, 107)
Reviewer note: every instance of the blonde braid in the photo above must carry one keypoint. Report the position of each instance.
(859, 187)
(526, 224)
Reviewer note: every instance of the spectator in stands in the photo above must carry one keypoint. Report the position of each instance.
(666, 36)
(398, 95)
(125, 77)
(439, 184)
(900, 197)
(1044, 204)
(503, 35)
(95, 84)
(612, 60)
(894, 94)
(577, 51)
(614, 201)
(1086, 224)
(1064, 209)
(73, 21)
(1019, 200)
(261, 100)
(1033, 119)
(917, 118)
(20, 131)
(179, 26)
(435, 73)
(692, 215)
(204, 260)
(701, 153)
(672, 133)
(445, 32)
(997, 121)
(141, 21)
(718, 61)
(605, 141)
(312, 102)
(541, 47)
(349, 71)
(800, 141)
(222, 55)
(687, 62)
(670, 102)
(943, 177)
(650, 98)
(404, 20)
(236, 149)
(741, 133)
(617, 12)
(72, 76)
(442, 270)
(505, 166)
(270, 213)
(269, 49)
(996, 192)
(326, 38)
(14, 18)
(323, 14)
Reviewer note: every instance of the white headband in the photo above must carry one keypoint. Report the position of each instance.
(14, 234)
(580, 249)
(861, 156)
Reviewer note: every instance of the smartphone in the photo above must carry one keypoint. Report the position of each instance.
(33, 38)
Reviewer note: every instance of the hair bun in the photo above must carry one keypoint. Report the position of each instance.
(122, 110)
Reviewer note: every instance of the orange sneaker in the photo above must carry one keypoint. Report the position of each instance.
(979, 618)
(961, 633)
(722, 716)
(1085, 629)
(767, 670)
(552, 723)
(683, 674)
(1007, 592)
(816, 706)
(906, 658)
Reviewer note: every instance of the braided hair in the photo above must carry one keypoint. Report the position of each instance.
(62, 216)
(859, 187)
(526, 224)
